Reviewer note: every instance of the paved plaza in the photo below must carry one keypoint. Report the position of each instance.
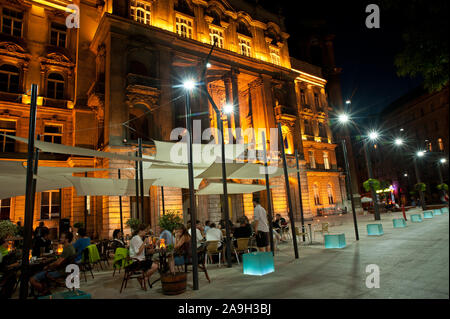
(413, 263)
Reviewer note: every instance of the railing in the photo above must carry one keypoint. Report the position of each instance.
(321, 167)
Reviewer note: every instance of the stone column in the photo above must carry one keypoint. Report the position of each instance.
(235, 93)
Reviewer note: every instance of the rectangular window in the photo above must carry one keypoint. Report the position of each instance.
(53, 133)
(441, 144)
(58, 35)
(140, 11)
(184, 27)
(7, 127)
(5, 208)
(50, 205)
(12, 22)
(303, 97)
(245, 47)
(312, 160)
(316, 101)
(216, 34)
(326, 162)
(275, 56)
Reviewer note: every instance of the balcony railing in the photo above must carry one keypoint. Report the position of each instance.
(321, 167)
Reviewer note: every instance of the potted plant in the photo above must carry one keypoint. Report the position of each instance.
(442, 186)
(172, 283)
(170, 220)
(7, 229)
(133, 223)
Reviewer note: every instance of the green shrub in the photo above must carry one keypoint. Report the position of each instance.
(420, 187)
(442, 186)
(371, 182)
(170, 220)
(133, 223)
(7, 229)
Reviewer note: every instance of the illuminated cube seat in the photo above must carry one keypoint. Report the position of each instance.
(399, 223)
(258, 263)
(335, 241)
(428, 214)
(444, 210)
(436, 212)
(78, 294)
(374, 229)
(416, 218)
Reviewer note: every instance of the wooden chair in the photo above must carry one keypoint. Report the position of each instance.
(324, 229)
(201, 253)
(212, 248)
(103, 250)
(242, 247)
(133, 270)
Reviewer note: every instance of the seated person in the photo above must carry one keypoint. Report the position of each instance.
(82, 242)
(118, 241)
(207, 226)
(137, 251)
(199, 235)
(243, 231)
(42, 242)
(56, 269)
(182, 248)
(214, 234)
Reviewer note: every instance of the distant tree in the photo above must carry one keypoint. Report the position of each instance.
(424, 26)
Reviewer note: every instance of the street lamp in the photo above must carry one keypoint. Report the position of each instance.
(398, 141)
(443, 160)
(343, 118)
(348, 102)
(419, 154)
(189, 85)
(373, 136)
(228, 108)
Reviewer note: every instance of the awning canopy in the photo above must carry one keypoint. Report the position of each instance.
(203, 155)
(72, 150)
(8, 168)
(232, 188)
(107, 187)
(243, 171)
(16, 185)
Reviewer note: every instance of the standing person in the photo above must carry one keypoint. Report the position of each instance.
(137, 251)
(207, 226)
(182, 248)
(40, 230)
(82, 242)
(261, 226)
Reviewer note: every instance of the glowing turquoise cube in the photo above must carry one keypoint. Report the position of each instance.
(375, 229)
(444, 210)
(416, 218)
(399, 223)
(436, 212)
(428, 214)
(258, 263)
(335, 241)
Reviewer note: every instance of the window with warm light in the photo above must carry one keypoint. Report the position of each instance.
(9, 78)
(316, 194)
(216, 35)
(50, 205)
(275, 55)
(5, 208)
(140, 11)
(330, 194)
(245, 47)
(184, 27)
(316, 101)
(326, 162)
(440, 144)
(303, 97)
(53, 133)
(7, 127)
(312, 160)
(58, 35)
(12, 22)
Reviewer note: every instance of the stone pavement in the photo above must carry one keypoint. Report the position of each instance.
(413, 263)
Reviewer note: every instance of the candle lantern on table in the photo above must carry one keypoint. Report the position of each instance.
(60, 249)
(10, 246)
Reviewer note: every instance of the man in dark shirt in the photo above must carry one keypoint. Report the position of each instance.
(243, 231)
(40, 230)
(42, 242)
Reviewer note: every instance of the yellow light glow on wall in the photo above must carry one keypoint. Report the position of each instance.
(26, 99)
(69, 105)
(164, 25)
(304, 137)
(54, 5)
(317, 139)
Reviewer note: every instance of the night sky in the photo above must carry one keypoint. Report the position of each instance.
(366, 56)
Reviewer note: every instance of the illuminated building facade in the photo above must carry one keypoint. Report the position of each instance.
(114, 79)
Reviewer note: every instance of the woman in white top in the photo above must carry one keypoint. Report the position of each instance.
(137, 251)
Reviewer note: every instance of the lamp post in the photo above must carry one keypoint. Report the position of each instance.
(224, 170)
(419, 154)
(349, 188)
(189, 86)
(440, 163)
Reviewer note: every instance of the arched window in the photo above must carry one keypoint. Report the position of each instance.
(55, 86)
(216, 34)
(140, 11)
(316, 195)
(9, 78)
(138, 68)
(245, 46)
(243, 29)
(330, 194)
